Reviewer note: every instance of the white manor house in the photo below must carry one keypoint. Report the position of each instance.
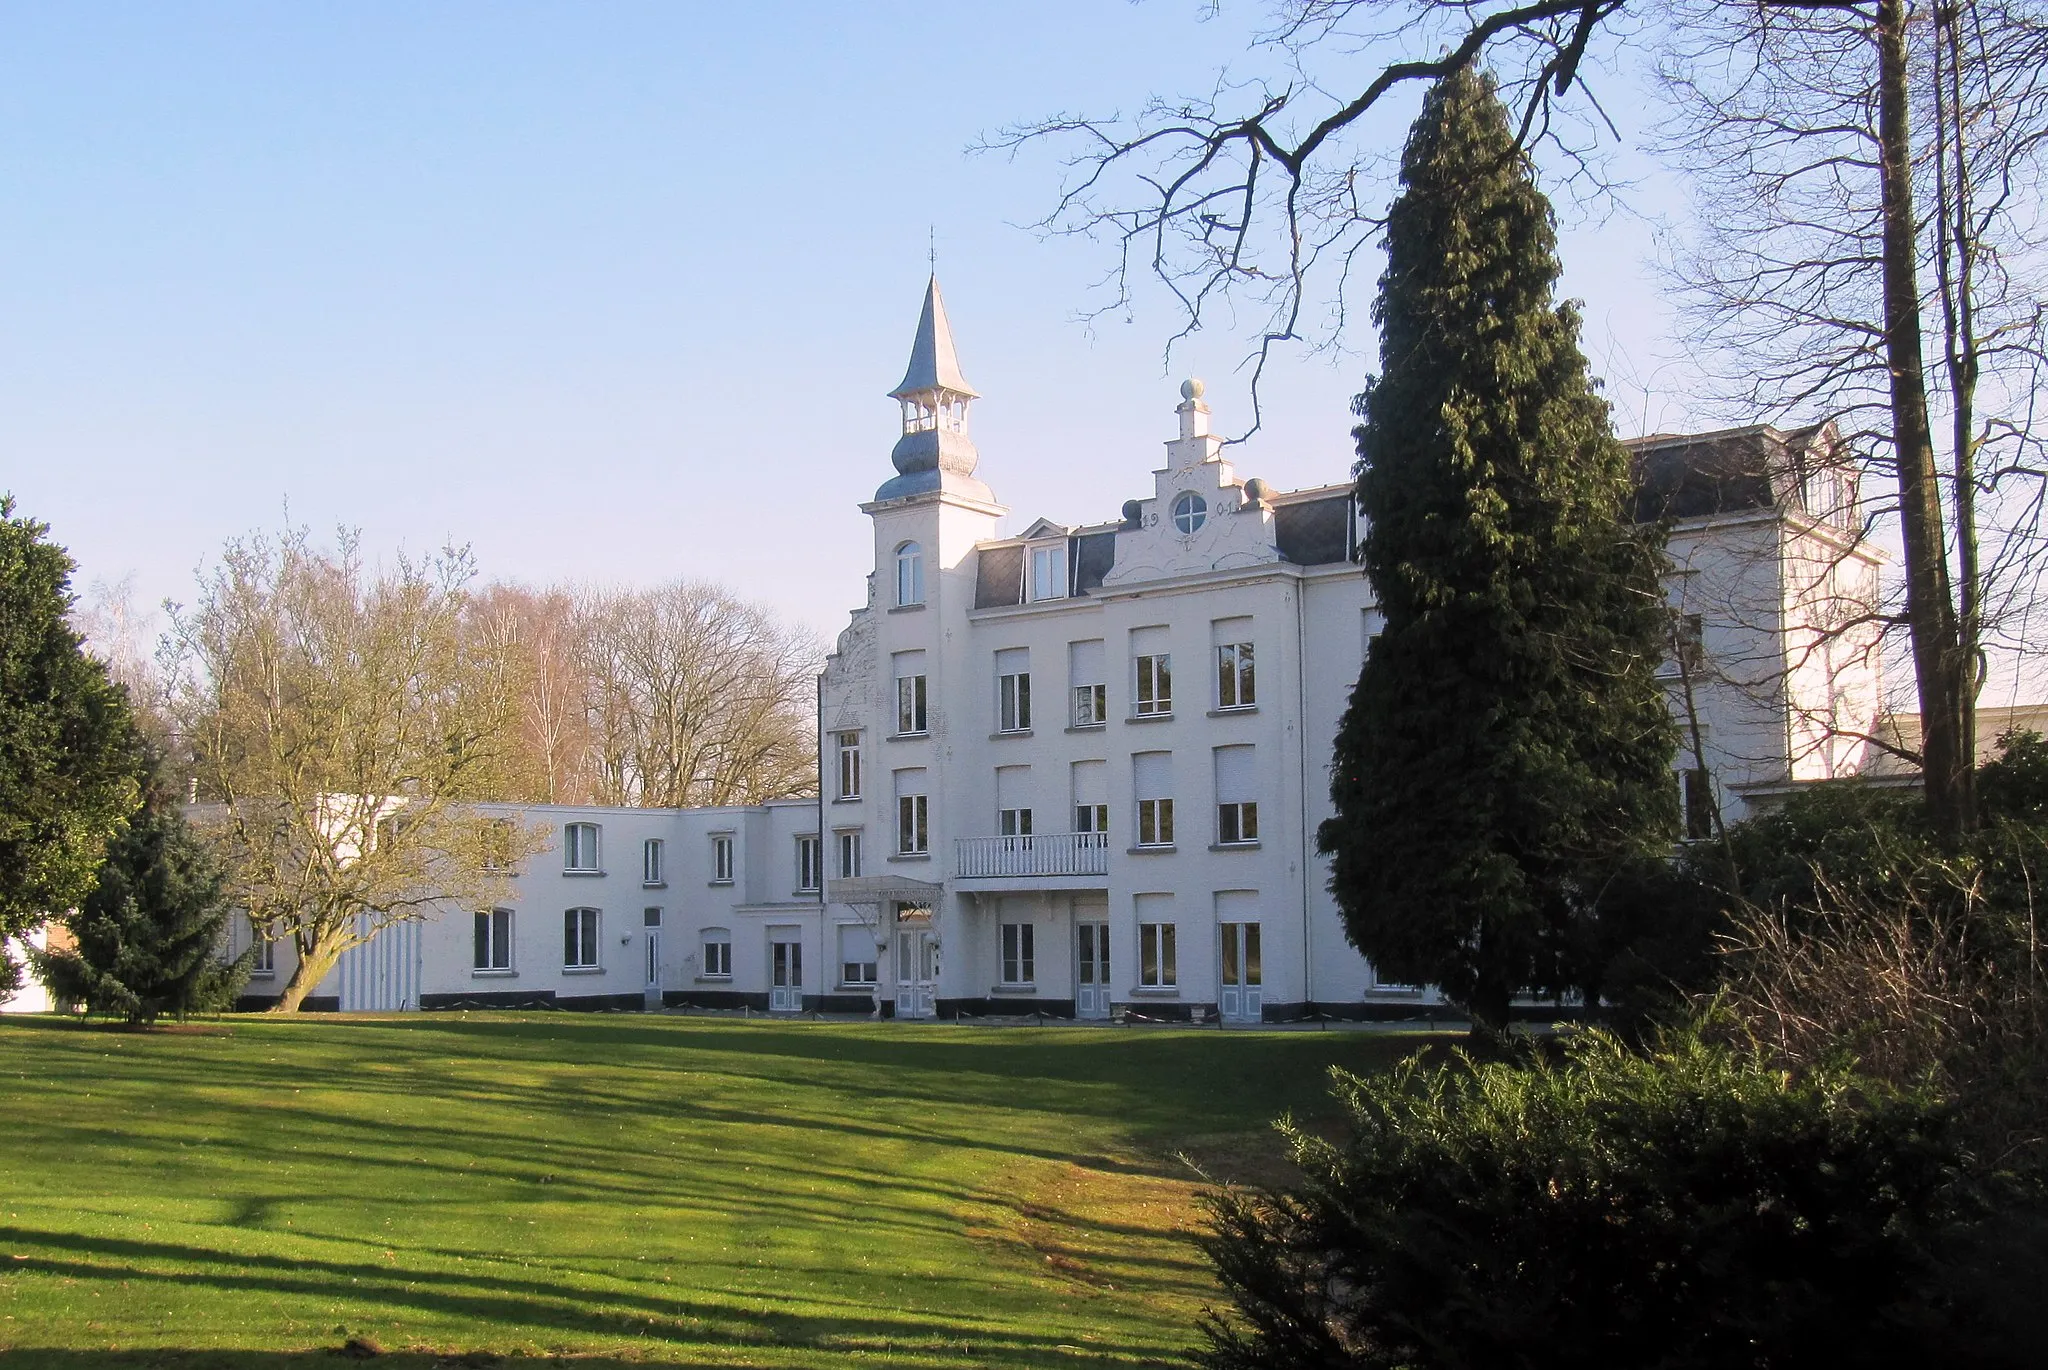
(1079, 770)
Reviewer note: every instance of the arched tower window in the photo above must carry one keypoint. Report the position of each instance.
(909, 574)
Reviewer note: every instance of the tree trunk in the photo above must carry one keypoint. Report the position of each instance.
(316, 959)
(1488, 1009)
(1938, 666)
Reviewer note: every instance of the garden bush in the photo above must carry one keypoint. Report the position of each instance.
(1687, 1206)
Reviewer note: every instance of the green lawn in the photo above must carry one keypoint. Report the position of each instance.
(647, 1190)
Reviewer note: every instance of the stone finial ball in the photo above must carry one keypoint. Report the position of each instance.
(1191, 389)
(1132, 509)
(1255, 490)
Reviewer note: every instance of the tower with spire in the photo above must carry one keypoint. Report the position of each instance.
(935, 453)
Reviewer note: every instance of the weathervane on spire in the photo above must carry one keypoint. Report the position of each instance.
(932, 246)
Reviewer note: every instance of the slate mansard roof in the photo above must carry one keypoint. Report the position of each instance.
(1741, 470)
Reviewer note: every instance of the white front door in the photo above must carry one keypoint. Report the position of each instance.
(1238, 998)
(785, 973)
(917, 972)
(654, 958)
(1091, 970)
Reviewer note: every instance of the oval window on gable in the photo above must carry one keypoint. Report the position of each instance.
(1190, 511)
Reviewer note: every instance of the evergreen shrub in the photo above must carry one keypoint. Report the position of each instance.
(1689, 1206)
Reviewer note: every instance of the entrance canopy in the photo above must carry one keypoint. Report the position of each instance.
(882, 889)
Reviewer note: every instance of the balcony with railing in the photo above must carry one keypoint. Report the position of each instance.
(1040, 855)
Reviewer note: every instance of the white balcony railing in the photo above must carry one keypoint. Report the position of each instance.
(1052, 853)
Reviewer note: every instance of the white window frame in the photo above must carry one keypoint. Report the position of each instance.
(1093, 820)
(1237, 824)
(1020, 963)
(912, 712)
(496, 924)
(810, 862)
(715, 953)
(865, 974)
(913, 825)
(498, 844)
(1236, 678)
(1091, 706)
(587, 953)
(575, 859)
(849, 764)
(1155, 822)
(1048, 571)
(1697, 802)
(1158, 960)
(909, 574)
(1189, 512)
(1013, 822)
(1013, 702)
(1154, 694)
(653, 857)
(721, 858)
(849, 853)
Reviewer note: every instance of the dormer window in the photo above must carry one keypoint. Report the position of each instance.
(909, 575)
(1190, 512)
(1049, 571)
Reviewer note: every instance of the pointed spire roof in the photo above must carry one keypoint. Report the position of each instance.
(933, 363)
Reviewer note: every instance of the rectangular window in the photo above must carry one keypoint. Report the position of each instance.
(856, 955)
(1699, 804)
(1091, 818)
(1049, 572)
(1155, 822)
(579, 939)
(1236, 686)
(911, 816)
(849, 855)
(910, 704)
(849, 764)
(651, 853)
(1237, 810)
(1152, 780)
(1085, 677)
(1019, 965)
(808, 864)
(1014, 696)
(498, 845)
(1156, 963)
(493, 941)
(1091, 706)
(717, 952)
(579, 847)
(1014, 822)
(1155, 684)
(650, 918)
(1688, 632)
(912, 838)
(266, 954)
(721, 859)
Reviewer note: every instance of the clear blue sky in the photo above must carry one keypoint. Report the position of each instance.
(611, 291)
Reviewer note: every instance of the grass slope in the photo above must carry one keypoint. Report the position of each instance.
(644, 1190)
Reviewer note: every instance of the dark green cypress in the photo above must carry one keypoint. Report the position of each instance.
(150, 937)
(67, 760)
(1508, 742)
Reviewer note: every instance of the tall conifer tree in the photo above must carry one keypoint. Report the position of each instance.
(149, 937)
(1507, 741)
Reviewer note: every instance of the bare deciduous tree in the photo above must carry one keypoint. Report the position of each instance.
(680, 695)
(696, 697)
(1867, 177)
(341, 721)
(1264, 192)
